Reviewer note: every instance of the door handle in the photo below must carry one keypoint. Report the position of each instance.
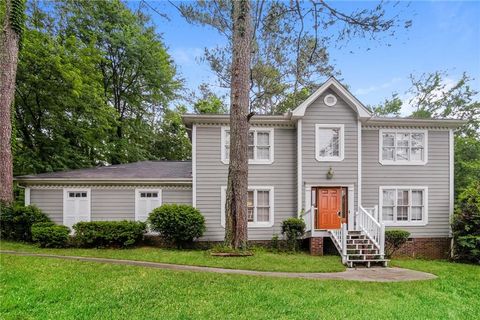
(339, 213)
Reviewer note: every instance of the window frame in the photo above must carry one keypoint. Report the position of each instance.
(341, 147)
(403, 162)
(88, 199)
(256, 130)
(409, 222)
(254, 224)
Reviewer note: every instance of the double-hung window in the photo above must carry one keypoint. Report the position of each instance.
(403, 147)
(329, 142)
(260, 145)
(404, 205)
(259, 206)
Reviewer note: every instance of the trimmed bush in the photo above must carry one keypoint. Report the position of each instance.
(293, 228)
(49, 235)
(16, 221)
(109, 233)
(178, 223)
(466, 225)
(394, 239)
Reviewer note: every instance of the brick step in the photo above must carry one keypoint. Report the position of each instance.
(360, 246)
(357, 237)
(384, 262)
(358, 241)
(354, 232)
(360, 251)
(364, 257)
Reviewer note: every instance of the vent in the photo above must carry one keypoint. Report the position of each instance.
(330, 100)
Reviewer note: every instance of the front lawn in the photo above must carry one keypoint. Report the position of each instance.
(45, 288)
(262, 260)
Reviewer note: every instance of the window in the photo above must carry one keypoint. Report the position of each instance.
(259, 206)
(329, 144)
(403, 147)
(76, 206)
(260, 145)
(145, 202)
(404, 205)
(77, 194)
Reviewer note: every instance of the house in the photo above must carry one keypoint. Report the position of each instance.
(347, 173)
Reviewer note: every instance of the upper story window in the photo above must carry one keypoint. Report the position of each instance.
(403, 205)
(403, 147)
(329, 142)
(260, 145)
(259, 206)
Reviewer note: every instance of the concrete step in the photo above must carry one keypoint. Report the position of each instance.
(368, 263)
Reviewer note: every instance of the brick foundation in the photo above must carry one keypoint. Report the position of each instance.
(430, 248)
(316, 246)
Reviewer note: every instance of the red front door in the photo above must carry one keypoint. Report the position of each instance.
(329, 207)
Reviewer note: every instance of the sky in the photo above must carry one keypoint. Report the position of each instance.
(445, 35)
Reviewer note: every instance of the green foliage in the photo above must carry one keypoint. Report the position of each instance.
(109, 233)
(16, 221)
(275, 242)
(467, 162)
(17, 16)
(211, 105)
(394, 239)
(49, 235)
(390, 107)
(292, 100)
(466, 224)
(293, 228)
(178, 223)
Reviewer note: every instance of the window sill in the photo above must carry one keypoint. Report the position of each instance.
(405, 224)
(336, 159)
(252, 161)
(406, 163)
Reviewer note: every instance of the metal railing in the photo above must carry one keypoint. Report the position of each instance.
(373, 228)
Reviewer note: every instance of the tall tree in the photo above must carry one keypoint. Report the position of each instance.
(290, 45)
(237, 184)
(284, 49)
(138, 76)
(12, 16)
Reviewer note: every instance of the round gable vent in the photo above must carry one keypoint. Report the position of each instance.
(330, 100)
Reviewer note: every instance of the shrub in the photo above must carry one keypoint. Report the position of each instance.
(293, 228)
(109, 233)
(16, 221)
(394, 239)
(178, 223)
(466, 225)
(49, 235)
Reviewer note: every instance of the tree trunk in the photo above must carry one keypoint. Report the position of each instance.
(9, 40)
(237, 185)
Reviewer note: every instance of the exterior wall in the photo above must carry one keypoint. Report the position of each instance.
(211, 175)
(49, 201)
(430, 248)
(434, 175)
(346, 171)
(113, 204)
(107, 204)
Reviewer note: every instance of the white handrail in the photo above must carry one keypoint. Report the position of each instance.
(340, 239)
(374, 229)
(307, 217)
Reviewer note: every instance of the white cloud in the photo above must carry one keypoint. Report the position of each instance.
(186, 56)
(375, 88)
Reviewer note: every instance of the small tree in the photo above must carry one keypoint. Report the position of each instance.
(293, 228)
(394, 239)
(466, 225)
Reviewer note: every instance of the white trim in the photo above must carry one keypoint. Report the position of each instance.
(271, 133)
(388, 223)
(194, 166)
(341, 142)
(299, 167)
(351, 198)
(325, 100)
(359, 164)
(402, 163)
(89, 200)
(341, 91)
(137, 198)
(27, 196)
(451, 157)
(269, 224)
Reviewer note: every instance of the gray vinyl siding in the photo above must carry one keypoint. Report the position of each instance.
(49, 201)
(112, 204)
(345, 172)
(177, 196)
(434, 175)
(212, 175)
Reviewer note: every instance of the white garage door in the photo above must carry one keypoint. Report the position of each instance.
(76, 206)
(145, 201)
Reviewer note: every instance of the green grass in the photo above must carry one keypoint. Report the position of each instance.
(262, 260)
(45, 288)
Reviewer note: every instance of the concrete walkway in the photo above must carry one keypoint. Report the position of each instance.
(378, 274)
